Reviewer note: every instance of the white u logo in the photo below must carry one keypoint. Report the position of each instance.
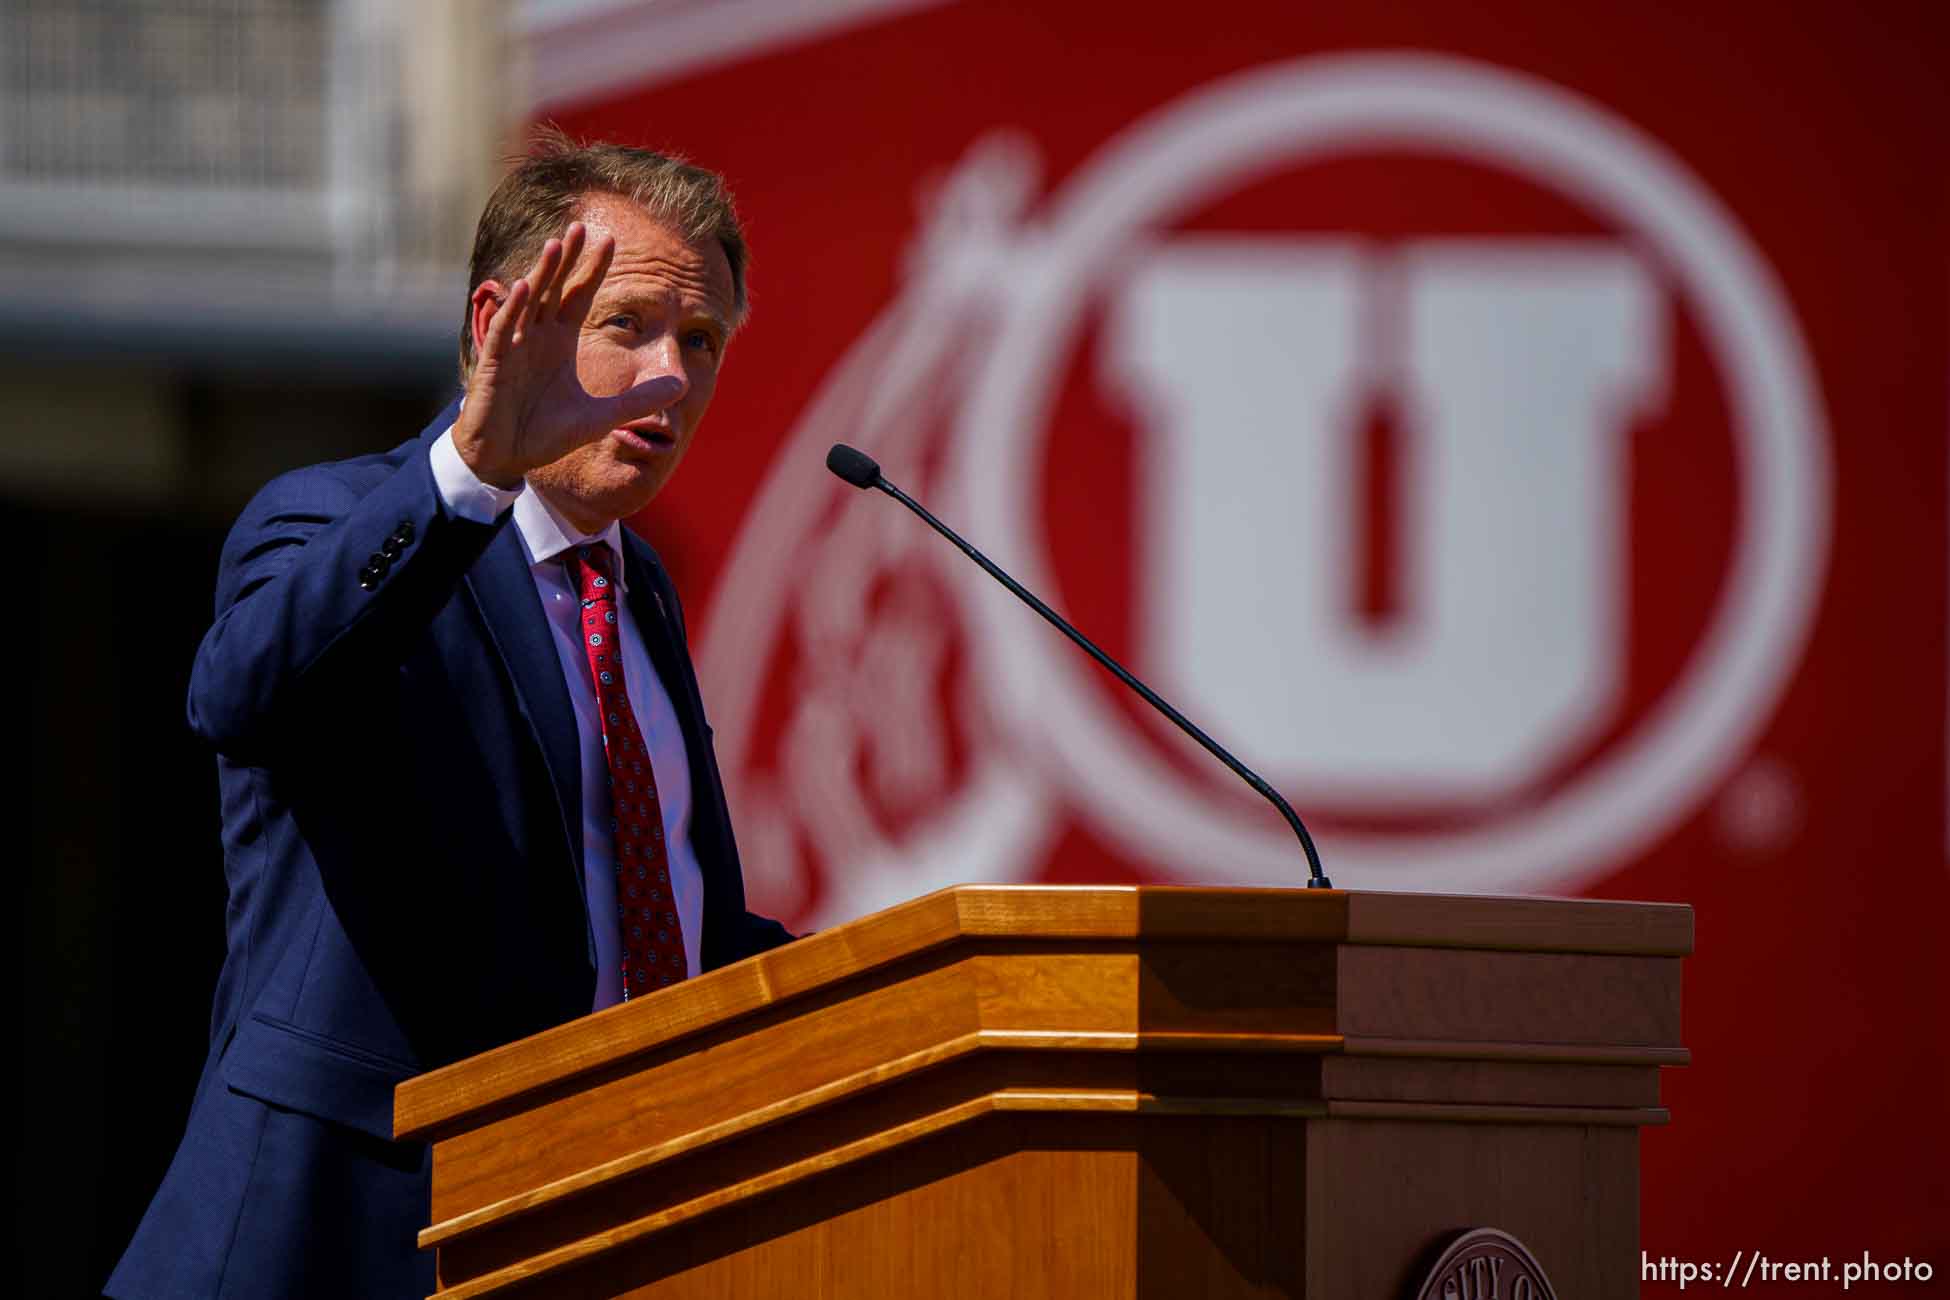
(1516, 366)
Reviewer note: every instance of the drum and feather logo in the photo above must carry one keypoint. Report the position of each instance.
(1429, 435)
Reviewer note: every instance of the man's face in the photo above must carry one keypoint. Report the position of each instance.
(664, 310)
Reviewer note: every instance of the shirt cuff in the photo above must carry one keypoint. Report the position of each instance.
(461, 490)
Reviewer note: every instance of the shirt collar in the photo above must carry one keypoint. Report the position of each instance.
(547, 536)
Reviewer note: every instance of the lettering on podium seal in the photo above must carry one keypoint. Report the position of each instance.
(1485, 1264)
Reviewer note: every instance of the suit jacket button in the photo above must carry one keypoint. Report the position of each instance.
(391, 547)
(368, 578)
(404, 533)
(379, 562)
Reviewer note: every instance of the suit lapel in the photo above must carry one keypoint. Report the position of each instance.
(664, 640)
(505, 591)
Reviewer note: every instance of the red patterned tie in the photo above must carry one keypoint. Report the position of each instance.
(646, 911)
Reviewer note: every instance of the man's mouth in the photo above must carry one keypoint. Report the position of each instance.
(646, 437)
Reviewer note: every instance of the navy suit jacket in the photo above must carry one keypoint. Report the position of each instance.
(401, 810)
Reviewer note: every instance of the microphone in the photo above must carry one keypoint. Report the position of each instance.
(862, 471)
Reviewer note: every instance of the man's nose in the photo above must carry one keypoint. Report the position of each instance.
(662, 361)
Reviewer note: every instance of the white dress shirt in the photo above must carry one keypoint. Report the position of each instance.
(546, 537)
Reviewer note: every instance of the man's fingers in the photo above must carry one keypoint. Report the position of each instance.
(579, 291)
(506, 321)
(543, 273)
(523, 312)
(548, 295)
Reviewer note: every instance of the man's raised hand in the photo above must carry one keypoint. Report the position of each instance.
(525, 405)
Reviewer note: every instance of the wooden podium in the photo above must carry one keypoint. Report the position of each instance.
(1080, 1093)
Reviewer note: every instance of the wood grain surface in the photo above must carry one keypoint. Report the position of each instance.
(1077, 1092)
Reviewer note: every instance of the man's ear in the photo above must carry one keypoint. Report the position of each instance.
(486, 300)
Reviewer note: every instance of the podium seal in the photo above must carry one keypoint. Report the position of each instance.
(1485, 1264)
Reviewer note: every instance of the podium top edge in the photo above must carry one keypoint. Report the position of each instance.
(1506, 921)
(1131, 914)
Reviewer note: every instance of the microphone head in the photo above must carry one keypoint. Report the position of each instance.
(853, 465)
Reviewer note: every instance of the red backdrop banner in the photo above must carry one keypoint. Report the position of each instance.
(1517, 428)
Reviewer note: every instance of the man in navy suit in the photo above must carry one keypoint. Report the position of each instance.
(421, 833)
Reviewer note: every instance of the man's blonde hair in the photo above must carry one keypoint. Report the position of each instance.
(545, 190)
